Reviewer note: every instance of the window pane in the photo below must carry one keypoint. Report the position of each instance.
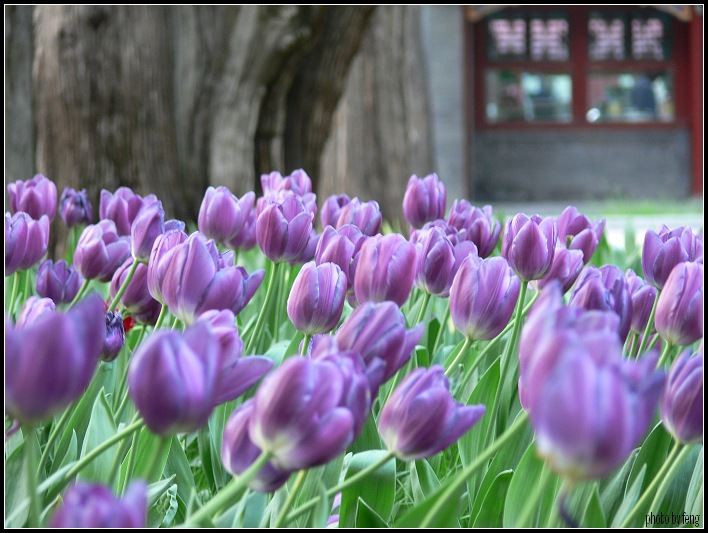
(507, 39)
(527, 96)
(549, 39)
(630, 97)
(642, 35)
(607, 37)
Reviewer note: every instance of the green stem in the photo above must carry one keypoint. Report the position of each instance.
(458, 358)
(132, 458)
(668, 350)
(661, 491)
(81, 292)
(160, 318)
(124, 286)
(654, 342)
(262, 313)
(443, 325)
(156, 467)
(460, 480)
(228, 494)
(650, 324)
(53, 436)
(119, 457)
(305, 344)
(532, 503)
(31, 452)
(652, 486)
(15, 289)
(423, 309)
(342, 486)
(299, 480)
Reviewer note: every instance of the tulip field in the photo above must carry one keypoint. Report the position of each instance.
(289, 361)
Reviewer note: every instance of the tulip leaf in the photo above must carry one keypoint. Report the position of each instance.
(523, 486)
(576, 503)
(594, 515)
(254, 508)
(652, 454)
(71, 452)
(432, 334)
(151, 456)
(368, 438)
(162, 512)
(159, 500)
(492, 510)
(101, 428)
(446, 516)
(16, 491)
(277, 353)
(325, 476)
(630, 499)
(178, 465)
(424, 481)
(217, 423)
(611, 491)
(206, 456)
(674, 500)
(367, 518)
(377, 490)
(696, 484)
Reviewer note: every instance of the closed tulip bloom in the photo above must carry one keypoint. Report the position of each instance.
(529, 245)
(421, 418)
(36, 197)
(122, 207)
(100, 251)
(435, 262)
(34, 308)
(425, 200)
(238, 452)
(643, 296)
(679, 311)
(316, 299)
(298, 182)
(664, 250)
(92, 506)
(191, 280)
(576, 232)
(75, 208)
(364, 215)
(335, 247)
(148, 224)
(26, 241)
(136, 299)
(385, 269)
(174, 224)
(115, 336)
(246, 238)
(682, 400)
(483, 297)
(308, 253)
(476, 225)
(300, 415)
(378, 332)
(589, 416)
(332, 208)
(223, 216)
(58, 281)
(163, 247)
(566, 267)
(50, 362)
(283, 230)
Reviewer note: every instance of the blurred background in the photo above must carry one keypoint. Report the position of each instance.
(506, 103)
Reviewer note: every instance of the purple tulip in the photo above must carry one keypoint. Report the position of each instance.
(682, 400)
(75, 208)
(301, 414)
(115, 336)
(435, 262)
(425, 200)
(95, 507)
(246, 239)
(100, 251)
(364, 215)
(566, 267)
(58, 281)
(163, 246)
(316, 299)
(34, 308)
(136, 299)
(298, 182)
(148, 224)
(643, 296)
(421, 418)
(36, 197)
(529, 245)
(378, 332)
(332, 208)
(26, 241)
(679, 311)
(483, 297)
(476, 225)
(605, 289)
(50, 362)
(664, 250)
(308, 253)
(576, 232)
(385, 269)
(191, 278)
(122, 207)
(238, 452)
(223, 217)
(174, 224)
(283, 230)
(335, 247)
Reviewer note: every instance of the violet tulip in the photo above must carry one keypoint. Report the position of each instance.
(115, 336)
(679, 311)
(36, 197)
(364, 215)
(148, 224)
(483, 297)
(529, 245)
(92, 506)
(664, 250)
(163, 246)
(100, 251)
(682, 400)
(476, 225)
(136, 299)
(421, 418)
(283, 230)
(122, 207)
(643, 296)
(576, 232)
(49, 364)
(33, 308)
(298, 182)
(26, 241)
(385, 269)
(335, 246)
(435, 262)
(425, 200)
(332, 208)
(75, 208)
(316, 299)
(224, 217)
(58, 281)
(566, 267)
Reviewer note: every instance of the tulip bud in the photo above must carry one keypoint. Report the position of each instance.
(476, 225)
(95, 507)
(115, 336)
(682, 400)
(223, 217)
(424, 200)
(643, 296)
(75, 208)
(332, 208)
(316, 299)
(679, 311)
(529, 245)
(148, 224)
(136, 299)
(36, 197)
(364, 215)
(122, 207)
(100, 251)
(160, 255)
(26, 241)
(58, 281)
(283, 230)
(34, 308)
(576, 232)
(566, 267)
(298, 182)
(435, 262)
(663, 251)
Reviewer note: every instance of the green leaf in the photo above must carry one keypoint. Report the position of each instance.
(163, 511)
(147, 456)
(630, 499)
(674, 501)
(328, 476)
(368, 438)
(16, 491)
(577, 502)
(100, 429)
(206, 457)
(432, 332)
(320, 514)
(278, 352)
(424, 481)
(611, 491)
(366, 517)
(377, 490)
(421, 356)
(696, 484)
(254, 509)
(178, 465)
(594, 515)
(71, 452)
(524, 485)
(445, 517)
(652, 454)
(492, 510)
